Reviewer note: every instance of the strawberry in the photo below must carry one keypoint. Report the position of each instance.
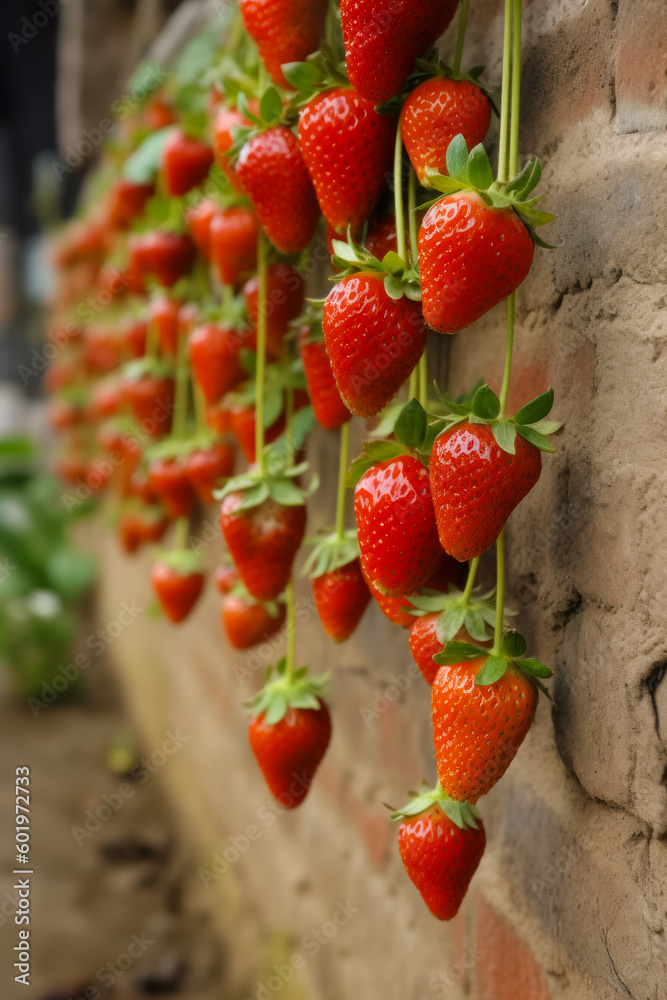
(159, 114)
(434, 113)
(198, 220)
(151, 398)
(272, 170)
(185, 162)
(167, 255)
(341, 597)
(382, 41)
(224, 578)
(133, 337)
(101, 349)
(223, 140)
(396, 525)
(263, 541)
(207, 466)
(478, 728)
(441, 843)
(330, 410)
(248, 622)
(284, 302)
(243, 426)
(214, 356)
(424, 643)
(177, 592)
(127, 201)
(170, 482)
(218, 417)
(373, 341)
(141, 525)
(163, 314)
(348, 148)
(104, 401)
(381, 235)
(233, 240)
(284, 30)
(476, 485)
(289, 751)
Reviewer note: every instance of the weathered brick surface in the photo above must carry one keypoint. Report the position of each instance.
(575, 870)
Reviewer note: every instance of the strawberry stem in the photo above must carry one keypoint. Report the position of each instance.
(423, 379)
(290, 652)
(508, 353)
(413, 384)
(261, 349)
(181, 533)
(516, 88)
(500, 594)
(470, 582)
(342, 471)
(200, 409)
(463, 22)
(398, 193)
(505, 95)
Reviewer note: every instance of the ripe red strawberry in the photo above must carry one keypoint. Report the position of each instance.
(199, 219)
(248, 622)
(348, 148)
(169, 480)
(233, 238)
(393, 607)
(152, 401)
(383, 41)
(424, 643)
(214, 356)
(436, 111)
(284, 302)
(167, 255)
(141, 525)
(185, 161)
(289, 752)
(101, 349)
(263, 542)
(224, 578)
(440, 855)
(177, 592)
(476, 485)
(396, 525)
(373, 341)
(127, 201)
(284, 30)
(159, 114)
(163, 314)
(243, 426)
(104, 401)
(223, 140)
(133, 337)
(381, 235)
(341, 597)
(272, 170)
(330, 410)
(478, 729)
(218, 417)
(471, 257)
(207, 466)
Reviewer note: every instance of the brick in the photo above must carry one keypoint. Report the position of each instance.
(506, 968)
(641, 68)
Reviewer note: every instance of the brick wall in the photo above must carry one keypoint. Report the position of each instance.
(569, 902)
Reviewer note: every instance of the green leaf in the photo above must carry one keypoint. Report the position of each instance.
(273, 407)
(449, 622)
(382, 451)
(443, 183)
(357, 470)
(392, 263)
(276, 710)
(270, 105)
(537, 409)
(514, 643)
(457, 158)
(485, 404)
(525, 181)
(492, 670)
(475, 625)
(285, 492)
(479, 169)
(539, 440)
(534, 667)
(254, 496)
(505, 434)
(547, 427)
(535, 216)
(394, 287)
(410, 427)
(143, 164)
(302, 75)
(458, 652)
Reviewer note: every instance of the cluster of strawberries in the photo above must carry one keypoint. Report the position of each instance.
(203, 222)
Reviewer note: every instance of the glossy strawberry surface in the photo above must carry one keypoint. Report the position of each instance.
(272, 170)
(471, 257)
(214, 356)
(284, 30)
(440, 858)
(247, 622)
(166, 255)
(424, 643)
(397, 609)
(382, 40)
(477, 730)
(341, 597)
(330, 410)
(373, 341)
(177, 593)
(169, 480)
(348, 148)
(233, 243)
(476, 485)
(396, 525)
(290, 751)
(186, 162)
(207, 467)
(199, 219)
(436, 111)
(223, 140)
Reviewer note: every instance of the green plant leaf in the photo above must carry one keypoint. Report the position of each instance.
(475, 625)
(539, 440)
(534, 667)
(536, 409)
(449, 622)
(410, 427)
(514, 644)
(270, 105)
(457, 158)
(479, 169)
(254, 496)
(302, 75)
(392, 263)
(357, 470)
(382, 451)
(458, 652)
(143, 164)
(394, 287)
(485, 404)
(504, 433)
(443, 183)
(547, 427)
(492, 670)
(285, 492)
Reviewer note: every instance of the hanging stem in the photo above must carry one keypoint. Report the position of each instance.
(181, 533)
(342, 472)
(505, 96)
(200, 409)
(423, 379)
(500, 593)
(398, 193)
(516, 88)
(463, 22)
(261, 350)
(290, 651)
(508, 353)
(412, 217)
(413, 384)
(470, 582)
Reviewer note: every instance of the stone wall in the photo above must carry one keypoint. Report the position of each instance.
(569, 902)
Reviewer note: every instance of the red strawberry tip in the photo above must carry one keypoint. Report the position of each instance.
(281, 693)
(463, 814)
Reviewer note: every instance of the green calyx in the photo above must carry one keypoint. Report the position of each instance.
(297, 691)
(152, 367)
(475, 612)
(312, 318)
(330, 553)
(276, 482)
(165, 214)
(400, 277)
(181, 447)
(410, 428)
(142, 165)
(497, 662)
(321, 71)
(462, 814)
(230, 314)
(272, 608)
(373, 453)
(182, 561)
(471, 171)
(427, 68)
(278, 377)
(484, 408)
(272, 113)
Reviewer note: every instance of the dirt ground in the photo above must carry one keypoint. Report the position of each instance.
(114, 910)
